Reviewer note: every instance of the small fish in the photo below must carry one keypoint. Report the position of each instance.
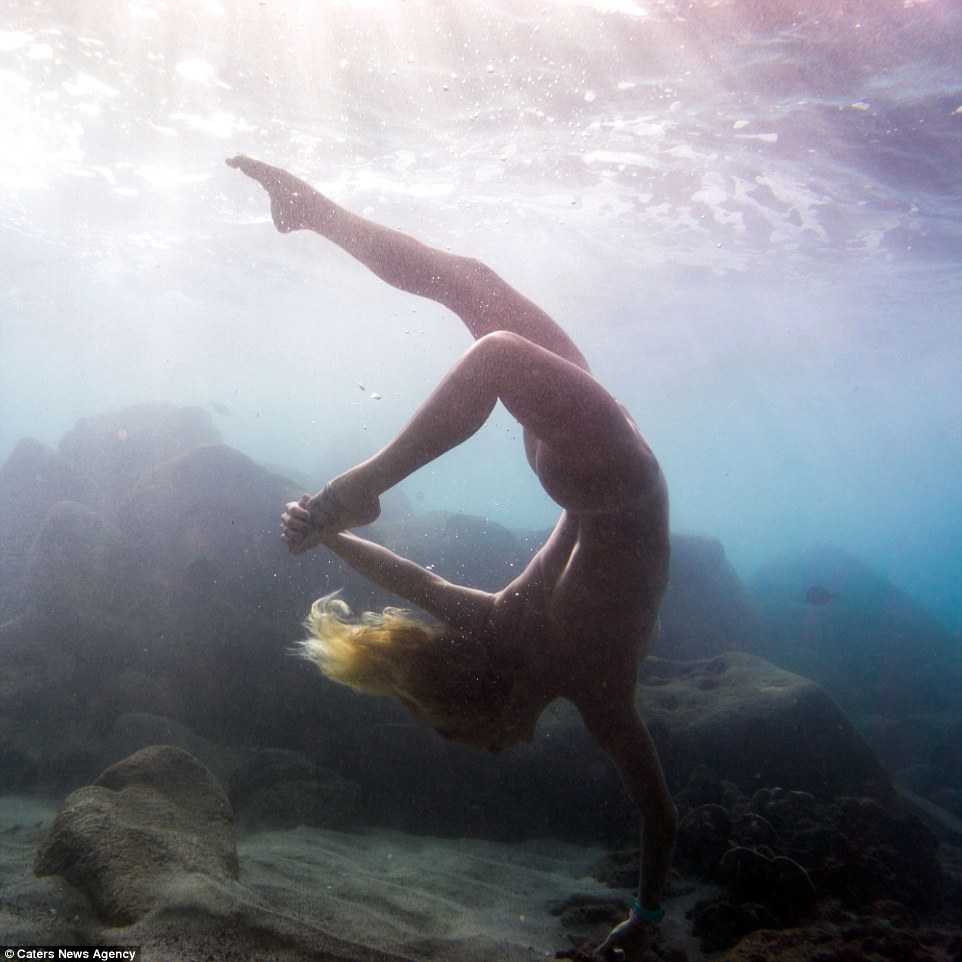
(817, 595)
(361, 386)
(219, 408)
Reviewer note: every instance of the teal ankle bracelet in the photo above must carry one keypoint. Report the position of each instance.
(654, 916)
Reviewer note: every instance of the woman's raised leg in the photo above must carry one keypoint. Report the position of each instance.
(483, 300)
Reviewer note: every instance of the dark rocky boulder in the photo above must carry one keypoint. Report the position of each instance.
(32, 480)
(78, 562)
(462, 548)
(830, 617)
(137, 730)
(895, 671)
(145, 827)
(777, 882)
(117, 448)
(281, 789)
(757, 725)
(62, 684)
(785, 857)
(209, 514)
(893, 934)
(707, 609)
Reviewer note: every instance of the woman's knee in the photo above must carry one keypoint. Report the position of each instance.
(501, 353)
(502, 342)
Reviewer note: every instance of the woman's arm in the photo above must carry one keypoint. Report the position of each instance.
(464, 609)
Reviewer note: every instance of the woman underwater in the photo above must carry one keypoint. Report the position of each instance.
(576, 621)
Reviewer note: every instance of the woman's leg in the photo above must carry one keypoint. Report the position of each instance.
(585, 451)
(620, 732)
(483, 300)
(590, 457)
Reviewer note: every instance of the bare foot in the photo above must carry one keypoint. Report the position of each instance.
(294, 203)
(341, 505)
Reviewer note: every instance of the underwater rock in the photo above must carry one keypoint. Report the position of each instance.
(757, 724)
(849, 939)
(146, 825)
(78, 563)
(707, 609)
(133, 731)
(720, 924)
(64, 677)
(905, 740)
(280, 789)
(939, 806)
(869, 855)
(780, 884)
(708, 831)
(142, 610)
(874, 648)
(208, 514)
(579, 910)
(462, 548)
(117, 448)
(940, 782)
(947, 755)
(788, 858)
(33, 479)
(704, 836)
(704, 787)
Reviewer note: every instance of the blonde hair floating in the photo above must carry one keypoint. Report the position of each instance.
(434, 673)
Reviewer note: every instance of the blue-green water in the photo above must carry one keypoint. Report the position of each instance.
(747, 215)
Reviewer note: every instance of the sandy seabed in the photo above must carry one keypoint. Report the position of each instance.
(320, 894)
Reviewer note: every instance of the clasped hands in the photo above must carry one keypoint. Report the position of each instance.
(317, 519)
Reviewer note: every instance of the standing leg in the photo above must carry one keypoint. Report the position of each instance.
(482, 299)
(617, 728)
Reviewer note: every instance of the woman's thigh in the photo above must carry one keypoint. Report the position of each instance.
(585, 449)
